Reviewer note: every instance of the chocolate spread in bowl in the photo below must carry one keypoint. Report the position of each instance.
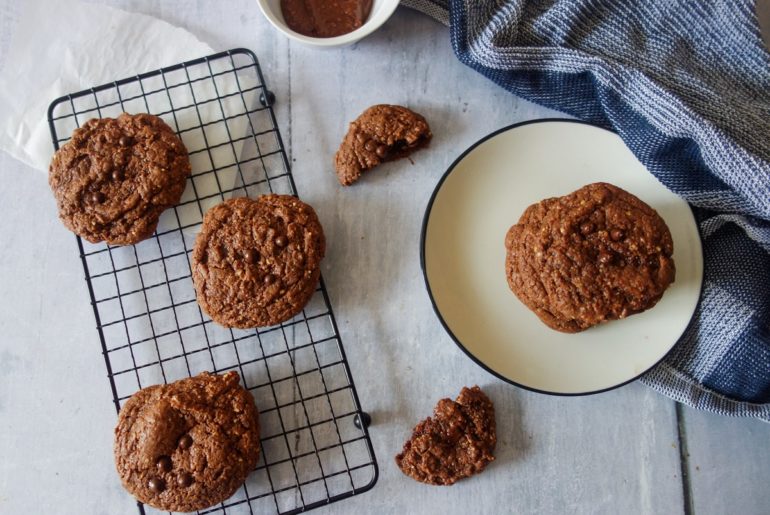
(325, 18)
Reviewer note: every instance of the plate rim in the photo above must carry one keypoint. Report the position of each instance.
(423, 231)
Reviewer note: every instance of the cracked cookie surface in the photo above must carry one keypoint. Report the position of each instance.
(187, 445)
(457, 442)
(382, 133)
(256, 262)
(116, 176)
(595, 255)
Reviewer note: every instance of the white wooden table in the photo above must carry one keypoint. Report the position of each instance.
(626, 451)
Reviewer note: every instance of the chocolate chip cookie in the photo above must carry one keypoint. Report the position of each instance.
(187, 445)
(257, 262)
(456, 443)
(115, 177)
(382, 133)
(595, 255)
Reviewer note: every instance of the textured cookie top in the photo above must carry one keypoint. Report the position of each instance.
(115, 177)
(456, 443)
(257, 262)
(382, 133)
(187, 445)
(594, 255)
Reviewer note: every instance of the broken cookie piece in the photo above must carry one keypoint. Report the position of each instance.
(456, 443)
(382, 133)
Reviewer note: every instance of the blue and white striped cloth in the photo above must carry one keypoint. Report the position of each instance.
(686, 84)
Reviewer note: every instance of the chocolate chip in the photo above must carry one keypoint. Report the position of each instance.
(605, 258)
(370, 145)
(117, 174)
(97, 197)
(156, 484)
(280, 241)
(185, 442)
(184, 480)
(164, 464)
(587, 228)
(269, 279)
(251, 256)
(382, 151)
(617, 234)
(125, 141)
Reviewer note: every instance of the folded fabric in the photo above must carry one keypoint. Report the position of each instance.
(686, 85)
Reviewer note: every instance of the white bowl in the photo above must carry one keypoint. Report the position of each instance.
(381, 11)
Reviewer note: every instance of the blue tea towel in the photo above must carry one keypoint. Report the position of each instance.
(686, 84)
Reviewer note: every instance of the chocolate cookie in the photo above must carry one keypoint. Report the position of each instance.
(456, 443)
(115, 177)
(257, 262)
(594, 255)
(187, 445)
(382, 133)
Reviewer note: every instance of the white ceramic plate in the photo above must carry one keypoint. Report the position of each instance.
(482, 194)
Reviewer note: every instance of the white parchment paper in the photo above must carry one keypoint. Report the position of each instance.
(49, 48)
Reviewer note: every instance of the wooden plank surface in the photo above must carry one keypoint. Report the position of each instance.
(613, 453)
(728, 463)
(556, 455)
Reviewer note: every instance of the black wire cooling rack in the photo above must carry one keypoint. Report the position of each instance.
(315, 448)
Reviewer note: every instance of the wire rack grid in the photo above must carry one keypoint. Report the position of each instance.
(315, 448)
